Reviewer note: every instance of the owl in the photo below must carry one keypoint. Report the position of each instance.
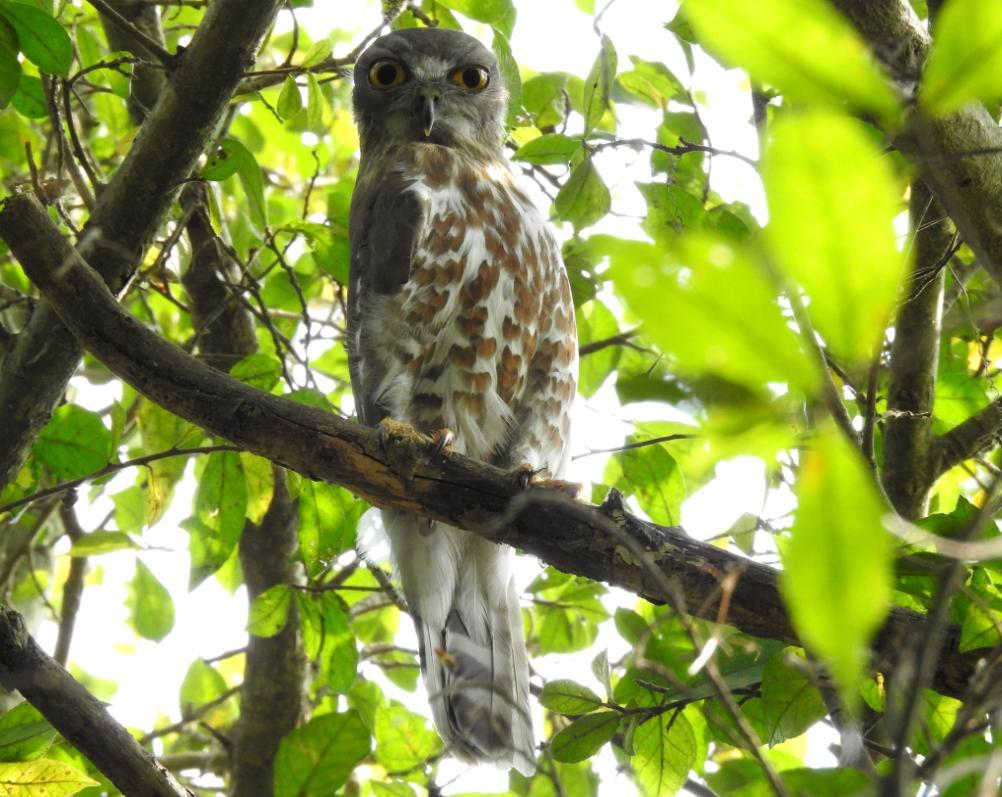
(460, 318)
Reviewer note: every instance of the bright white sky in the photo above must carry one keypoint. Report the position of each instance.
(210, 621)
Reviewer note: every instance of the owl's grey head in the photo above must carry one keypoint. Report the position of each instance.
(429, 85)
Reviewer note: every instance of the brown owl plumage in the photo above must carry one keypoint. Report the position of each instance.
(459, 316)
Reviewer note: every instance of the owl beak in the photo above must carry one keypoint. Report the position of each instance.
(427, 111)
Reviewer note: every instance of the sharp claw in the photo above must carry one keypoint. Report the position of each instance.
(441, 440)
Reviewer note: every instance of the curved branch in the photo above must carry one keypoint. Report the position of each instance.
(967, 439)
(131, 208)
(79, 716)
(399, 469)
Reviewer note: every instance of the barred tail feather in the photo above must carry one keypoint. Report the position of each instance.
(462, 596)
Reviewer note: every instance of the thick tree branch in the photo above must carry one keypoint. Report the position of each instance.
(400, 470)
(271, 702)
(79, 716)
(908, 470)
(131, 208)
(982, 430)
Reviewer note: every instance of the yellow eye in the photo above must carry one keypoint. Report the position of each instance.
(471, 78)
(387, 73)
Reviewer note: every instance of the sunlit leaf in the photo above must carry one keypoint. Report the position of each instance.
(838, 515)
(965, 63)
(724, 316)
(403, 739)
(568, 697)
(598, 84)
(269, 611)
(202, 684)
(42, 778)
(790, 702)
(583, 737)
(258, 370)
(100, 542)
(584, 198)
(24, 734)
(290, 101)
(550, 148)
(42, 40)
(498, 13)
(74, 443)
(150, 605)
(664, 752)
(316, 759)
(833, 234)
(825, 62)
(328, 638)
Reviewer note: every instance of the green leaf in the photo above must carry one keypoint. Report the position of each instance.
(664, 750)
(804, 48)
(651, 475)
(202, 684)
(598, 85)
(24, 733)
(652, 83)
(10, 67)
(965, 63)
(29, 100)
(42, 778)
(100, 542)
(834, 233)
(980, 608)
(225, 162)
(314, 103)
(328, 518)
(596, 323)
(549, 148)
(269, 611)
(825, 782)
(42, 40)
(497, 13)
(290, 101)
(790, 702)
(259, 476)
(543, 97)
(508, 68)
(584, 198)
(234, 158)
(319, 51)
(328, 638)
(725, 319)
(316, 759)
(152, 610)
(838, 516)
(583, 737)
(258, 370)
(403, 739)
(221, 496)
(74, 443)
(568, 697)
(568, 613)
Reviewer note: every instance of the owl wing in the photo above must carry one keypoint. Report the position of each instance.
(383, 225)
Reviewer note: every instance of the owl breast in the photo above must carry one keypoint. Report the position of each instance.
(481, 338)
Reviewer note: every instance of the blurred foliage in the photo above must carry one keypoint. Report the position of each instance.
(687, 312)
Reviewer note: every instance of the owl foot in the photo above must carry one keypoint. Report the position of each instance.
(527, 476)
(441, 441)
(400, 444)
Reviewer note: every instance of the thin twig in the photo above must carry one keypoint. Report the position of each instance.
(113, 467)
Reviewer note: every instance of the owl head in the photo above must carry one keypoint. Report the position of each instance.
(429, 85)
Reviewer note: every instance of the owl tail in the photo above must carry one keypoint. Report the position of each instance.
(463, 599)
(478, 683)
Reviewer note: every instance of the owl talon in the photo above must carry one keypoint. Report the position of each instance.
(399, 443)
(442, 440)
